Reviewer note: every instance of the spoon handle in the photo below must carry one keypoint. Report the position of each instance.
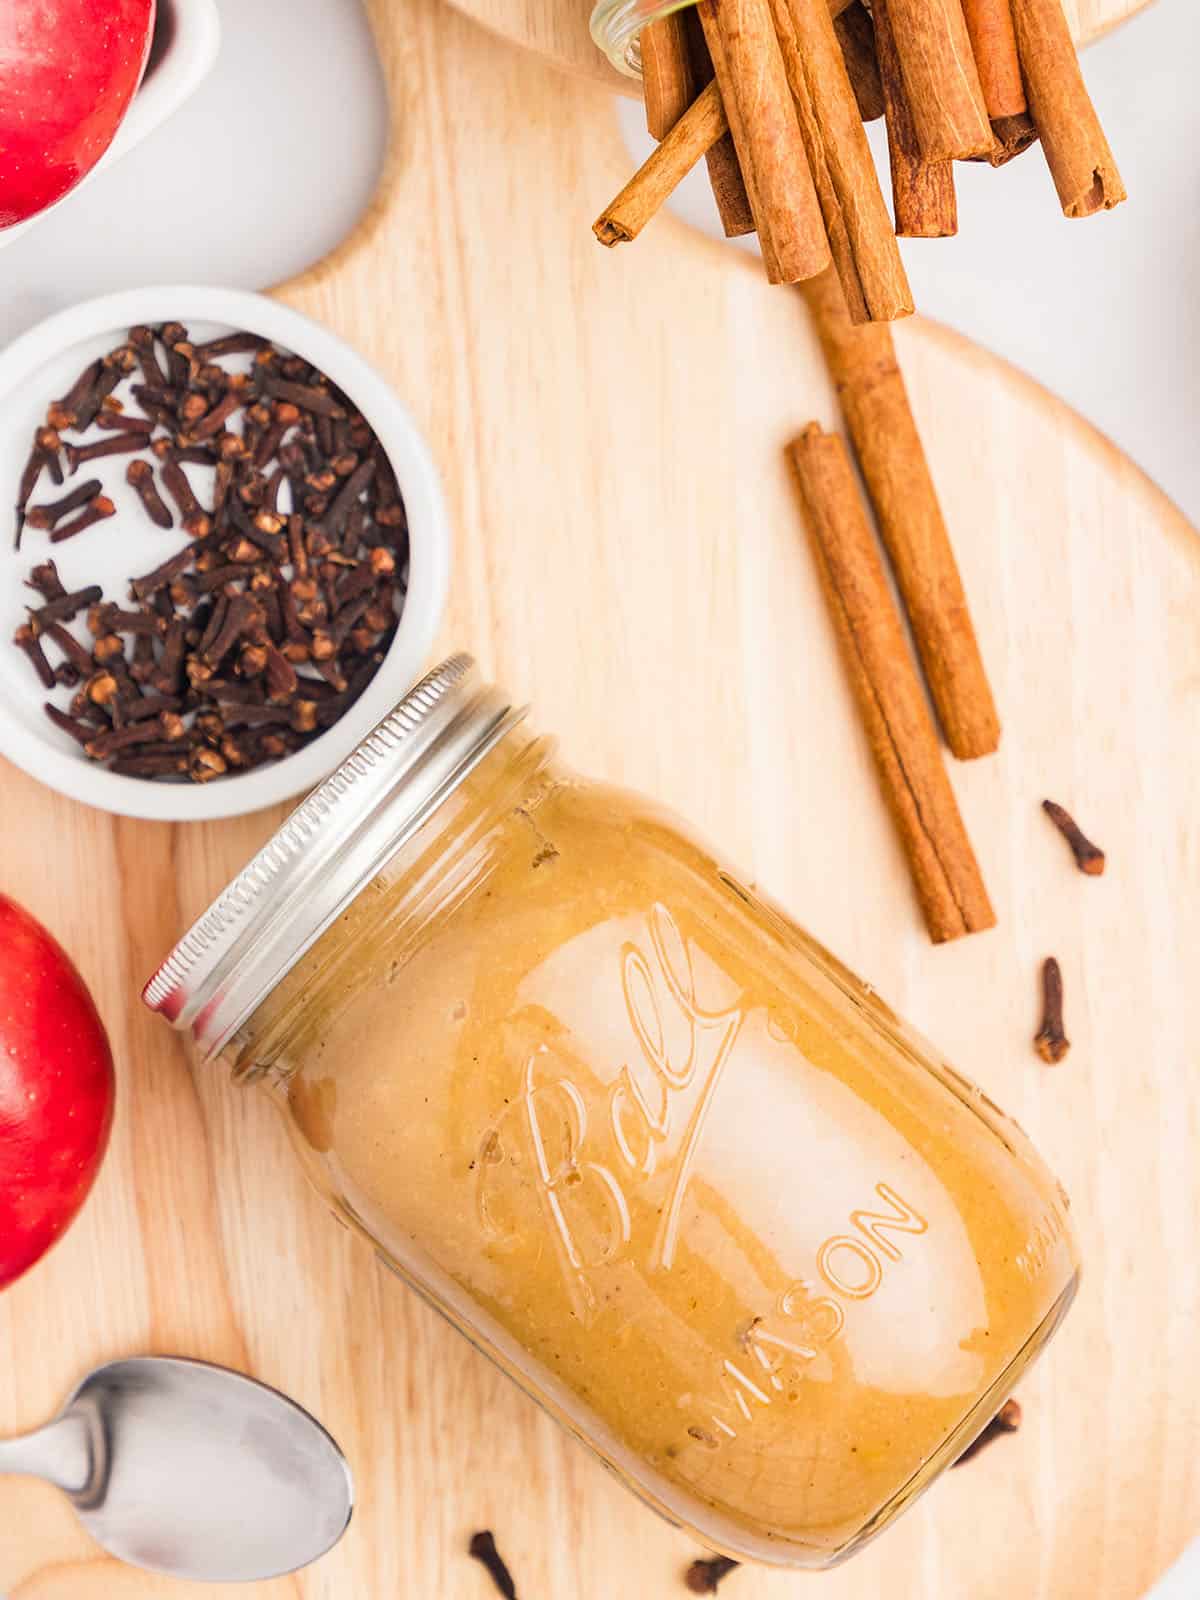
(60, 1453)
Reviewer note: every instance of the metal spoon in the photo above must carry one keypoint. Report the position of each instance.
(193, 1471)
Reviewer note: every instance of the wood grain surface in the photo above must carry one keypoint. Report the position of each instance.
(610, 427)
(558, 29)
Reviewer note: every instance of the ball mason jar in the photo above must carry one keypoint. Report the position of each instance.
(695, 1188)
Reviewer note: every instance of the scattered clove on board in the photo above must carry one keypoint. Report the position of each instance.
(1050, 1041)
(705, 1576)
(1006, 1420)
(482, 1548)
(1089, 857)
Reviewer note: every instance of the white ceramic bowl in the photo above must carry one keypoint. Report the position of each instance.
(192, 39)
(40, 366)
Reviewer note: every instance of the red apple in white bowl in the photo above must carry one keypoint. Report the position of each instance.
(69, 70)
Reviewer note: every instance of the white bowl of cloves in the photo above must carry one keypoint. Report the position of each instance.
(229, 552)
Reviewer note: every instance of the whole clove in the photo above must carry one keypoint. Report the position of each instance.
(28, 642)
(347, 496)
(1089, 858)
(112, 370)
(43, 454)
(75, 653)
(161, 402)
(140, 477)
(153, 766)
(203, 638)
(705, 1576)
(120, 445)
(167, 679)
(152, 705)
(108, 618)
(75, 397)
(231, 344)
(166, 726)
(173, 334)
(213, 421)
(98, 508)
(482, 1548)
(175, 481)
(282, 679)
(45, 580)
(119, 422)
(1006, 1420)
(81, 732)
(49, 515)
(307, 397)
(239, 615)
(1050, 1041)
(64, 606)
(143, 344)
(217, 577)
(151, 582)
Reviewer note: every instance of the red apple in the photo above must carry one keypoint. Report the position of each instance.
(68, 70)
(56, 1091)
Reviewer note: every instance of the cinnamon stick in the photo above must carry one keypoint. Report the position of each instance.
(1077, 152)
(856, 35)
(668, 81)
(923, 198)
(651, 185)
(766, 133)
(1013, 136)
(715, 49)
(889, 695)
(724, 170)
(874, 402)
(861, 237)
(941, 78)
(994, 44)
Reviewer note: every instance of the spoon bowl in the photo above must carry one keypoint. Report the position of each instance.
(193, 1471)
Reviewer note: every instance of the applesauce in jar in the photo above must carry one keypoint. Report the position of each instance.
(692, 1185)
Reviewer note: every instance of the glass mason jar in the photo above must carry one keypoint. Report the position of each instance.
(617, 26)
(639, 1137)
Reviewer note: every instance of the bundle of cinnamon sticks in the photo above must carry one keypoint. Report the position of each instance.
(774, 94)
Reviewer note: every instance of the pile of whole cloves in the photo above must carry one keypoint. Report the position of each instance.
(266, 626)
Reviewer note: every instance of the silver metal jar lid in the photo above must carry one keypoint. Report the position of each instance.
(327, 851)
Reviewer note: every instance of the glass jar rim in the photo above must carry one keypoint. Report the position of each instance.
(327, 851)
(617, 26)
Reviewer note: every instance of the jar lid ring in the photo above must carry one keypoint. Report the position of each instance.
(327, 851)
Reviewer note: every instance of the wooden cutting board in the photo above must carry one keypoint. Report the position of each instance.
(558, 29)
(610, 429)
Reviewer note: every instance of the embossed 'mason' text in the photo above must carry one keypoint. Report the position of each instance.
(773, 1351)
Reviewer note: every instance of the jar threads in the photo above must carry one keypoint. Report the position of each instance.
(617, 26)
